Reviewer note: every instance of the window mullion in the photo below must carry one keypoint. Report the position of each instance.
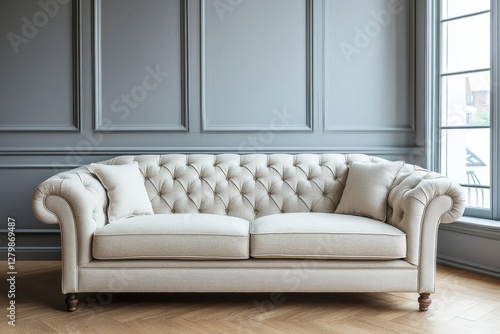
(465, 127)
(448, 19)
(495, 110)
(433, 91)
(447, 74)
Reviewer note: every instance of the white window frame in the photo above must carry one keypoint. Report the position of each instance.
(433, 106)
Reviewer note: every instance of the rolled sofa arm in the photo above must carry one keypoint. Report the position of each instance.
(420, 201)
(77, 202)
(434, 185)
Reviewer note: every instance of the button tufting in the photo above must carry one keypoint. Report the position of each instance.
(318, 173)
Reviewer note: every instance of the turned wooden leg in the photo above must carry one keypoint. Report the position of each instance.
(424, 301)
(71, 302)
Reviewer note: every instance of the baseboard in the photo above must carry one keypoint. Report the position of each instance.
(468, 266)
(33, 253)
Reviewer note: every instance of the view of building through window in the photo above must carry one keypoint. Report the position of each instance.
(465, 97)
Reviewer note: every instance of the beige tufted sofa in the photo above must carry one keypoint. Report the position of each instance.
(248, 223)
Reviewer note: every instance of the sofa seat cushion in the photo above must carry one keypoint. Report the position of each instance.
(325, 236)
(173, 236)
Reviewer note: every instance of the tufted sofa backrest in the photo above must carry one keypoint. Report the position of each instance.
(246, 186)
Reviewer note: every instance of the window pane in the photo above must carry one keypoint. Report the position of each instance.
(453, 8)
(465, 155)
(465, 99)
(478, 198)
(466, 44)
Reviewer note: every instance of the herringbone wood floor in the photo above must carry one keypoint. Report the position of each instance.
(463, 303)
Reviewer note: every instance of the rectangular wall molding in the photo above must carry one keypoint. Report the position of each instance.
(75, 126)
(101, 124)
(110, 151)
(306, 126)
(410, 109)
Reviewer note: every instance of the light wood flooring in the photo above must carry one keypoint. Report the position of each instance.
(463, 303)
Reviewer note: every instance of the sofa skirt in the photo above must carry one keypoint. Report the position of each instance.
(253, 275)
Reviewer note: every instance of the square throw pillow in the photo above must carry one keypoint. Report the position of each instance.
(366, 190)
(124, 185)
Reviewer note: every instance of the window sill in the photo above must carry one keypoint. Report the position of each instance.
(479, 227)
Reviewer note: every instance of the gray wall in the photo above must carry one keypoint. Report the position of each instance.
(471, 246)
(83, 81)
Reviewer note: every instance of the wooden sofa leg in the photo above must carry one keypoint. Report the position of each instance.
(424, 301)
(71, 301)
